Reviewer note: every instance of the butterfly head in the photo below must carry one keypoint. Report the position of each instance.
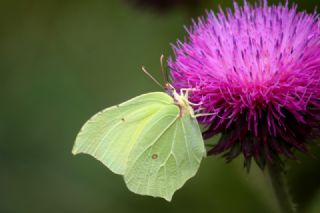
(169, 89)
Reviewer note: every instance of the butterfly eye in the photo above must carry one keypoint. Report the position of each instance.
(168, 86)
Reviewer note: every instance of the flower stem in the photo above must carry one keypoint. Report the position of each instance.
(280, 188)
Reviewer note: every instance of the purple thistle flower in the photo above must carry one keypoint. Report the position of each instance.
(257, 69)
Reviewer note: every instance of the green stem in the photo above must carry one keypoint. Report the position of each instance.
(280, 187)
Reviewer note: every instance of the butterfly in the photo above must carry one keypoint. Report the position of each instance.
(153, 140)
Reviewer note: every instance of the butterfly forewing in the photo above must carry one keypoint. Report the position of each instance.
(110, 134)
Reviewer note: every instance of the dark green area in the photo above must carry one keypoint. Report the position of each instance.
(61, 62)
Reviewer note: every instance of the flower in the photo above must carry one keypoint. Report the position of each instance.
(256, 69)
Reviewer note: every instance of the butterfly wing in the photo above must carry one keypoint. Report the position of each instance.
(161, 163)
(147, 141)
(110, 134)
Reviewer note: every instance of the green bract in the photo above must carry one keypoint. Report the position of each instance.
(153, 140)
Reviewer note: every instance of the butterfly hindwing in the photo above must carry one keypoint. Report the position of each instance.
(161, 167)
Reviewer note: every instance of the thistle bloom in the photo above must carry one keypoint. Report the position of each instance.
(257, 70)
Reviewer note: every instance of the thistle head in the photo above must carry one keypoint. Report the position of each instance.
(257, 70)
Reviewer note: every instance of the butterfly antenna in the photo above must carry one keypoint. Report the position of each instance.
(165, 79)
(150, 76)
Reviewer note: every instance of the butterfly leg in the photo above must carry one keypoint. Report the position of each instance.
(194, 104)
(204, 114)
(198, 110)
(185, 93)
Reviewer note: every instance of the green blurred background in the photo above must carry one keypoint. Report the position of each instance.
(62, 61)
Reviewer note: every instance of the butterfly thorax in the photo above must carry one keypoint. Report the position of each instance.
(180, 100)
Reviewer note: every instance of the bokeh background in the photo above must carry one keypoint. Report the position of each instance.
(62, 61)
